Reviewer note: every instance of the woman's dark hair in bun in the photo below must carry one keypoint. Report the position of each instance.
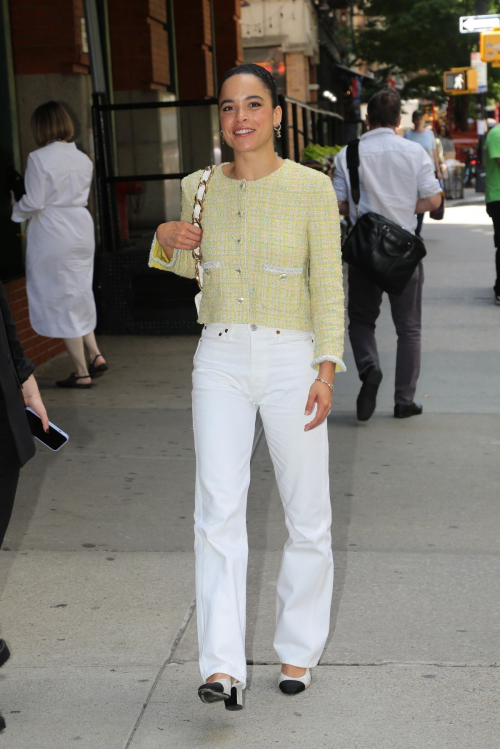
(249, 68)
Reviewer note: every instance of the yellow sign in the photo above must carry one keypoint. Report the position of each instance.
(460, 81)
(490, 46)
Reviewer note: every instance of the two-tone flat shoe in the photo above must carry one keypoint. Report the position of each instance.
(231, 694)
(4, 657)
(4, 652)
(291, 685)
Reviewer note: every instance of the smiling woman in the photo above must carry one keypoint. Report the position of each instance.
(273, 315)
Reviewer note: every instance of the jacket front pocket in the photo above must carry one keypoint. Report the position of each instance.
(282, 287)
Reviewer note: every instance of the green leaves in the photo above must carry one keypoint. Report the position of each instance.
(409, 36)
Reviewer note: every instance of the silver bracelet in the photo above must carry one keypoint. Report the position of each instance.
(330, 384)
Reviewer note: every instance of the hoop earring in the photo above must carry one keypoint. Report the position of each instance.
(277, 130)
(222, 138)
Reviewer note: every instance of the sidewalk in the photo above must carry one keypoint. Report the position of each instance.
(471, 197)
(97, 593)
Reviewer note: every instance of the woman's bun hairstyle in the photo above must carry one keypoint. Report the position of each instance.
(250, 68)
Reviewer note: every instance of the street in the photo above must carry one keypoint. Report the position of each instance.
(97, 591)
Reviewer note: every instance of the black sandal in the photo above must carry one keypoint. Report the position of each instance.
(97, 371)
(72, 382)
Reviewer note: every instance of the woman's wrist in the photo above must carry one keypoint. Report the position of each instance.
(327, 371)
(162, 238)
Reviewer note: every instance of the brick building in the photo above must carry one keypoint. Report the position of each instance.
(152, 51)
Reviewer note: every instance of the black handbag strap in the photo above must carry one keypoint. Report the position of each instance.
(352, 159)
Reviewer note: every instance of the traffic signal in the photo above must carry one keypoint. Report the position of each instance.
(490, 46)
(460, 81)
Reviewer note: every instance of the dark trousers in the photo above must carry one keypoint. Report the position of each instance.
(9, 472)
(493, 211)
(364, 308)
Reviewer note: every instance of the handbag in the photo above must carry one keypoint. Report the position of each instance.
(377, 246)
(438, 213)
(199, 200)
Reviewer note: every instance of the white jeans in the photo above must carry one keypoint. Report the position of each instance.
(237, 370)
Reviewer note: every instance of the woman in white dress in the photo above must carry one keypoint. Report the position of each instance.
(60, 249)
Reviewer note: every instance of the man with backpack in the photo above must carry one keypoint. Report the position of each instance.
(396, 180)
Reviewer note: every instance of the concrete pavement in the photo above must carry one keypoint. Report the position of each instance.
(97, 593)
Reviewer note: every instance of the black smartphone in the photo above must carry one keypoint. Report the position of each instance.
(54, 439)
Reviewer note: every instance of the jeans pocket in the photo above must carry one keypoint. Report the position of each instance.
(296, 336)
(215, 331)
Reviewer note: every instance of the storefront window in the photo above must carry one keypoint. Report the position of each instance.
(270, 58)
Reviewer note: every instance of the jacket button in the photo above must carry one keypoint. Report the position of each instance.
(282, 275)
(240, 299)
(253, 327)
(238, 270)
(9, 359)
(239, 241)
(240, 213)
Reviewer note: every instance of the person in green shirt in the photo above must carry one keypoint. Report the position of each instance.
(492, 154)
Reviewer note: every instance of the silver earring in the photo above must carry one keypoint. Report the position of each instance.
(277, 130)
(222, 138)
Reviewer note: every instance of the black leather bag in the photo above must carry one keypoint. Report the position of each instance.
(376, 246)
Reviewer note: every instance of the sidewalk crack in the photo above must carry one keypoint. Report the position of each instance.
(167, 661)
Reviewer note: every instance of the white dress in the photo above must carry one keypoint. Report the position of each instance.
(61, 244)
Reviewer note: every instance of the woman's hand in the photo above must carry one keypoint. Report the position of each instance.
(321, 395)
(33, 399)
(179, 235)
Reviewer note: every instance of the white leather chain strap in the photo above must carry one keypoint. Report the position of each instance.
(196, 220)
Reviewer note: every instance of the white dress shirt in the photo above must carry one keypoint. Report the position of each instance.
(393, 173)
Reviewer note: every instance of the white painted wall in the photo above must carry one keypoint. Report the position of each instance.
(287, 23)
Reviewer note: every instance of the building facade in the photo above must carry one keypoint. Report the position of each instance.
(149, 51)
(145, 58)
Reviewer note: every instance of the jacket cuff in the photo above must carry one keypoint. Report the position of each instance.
(25, 369)
(158, 259)
(340, 366)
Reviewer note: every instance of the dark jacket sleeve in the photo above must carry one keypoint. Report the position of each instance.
(23, 365)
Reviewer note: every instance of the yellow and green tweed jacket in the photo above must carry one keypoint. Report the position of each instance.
(271, 254)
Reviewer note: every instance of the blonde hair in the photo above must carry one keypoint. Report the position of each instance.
(51, 121)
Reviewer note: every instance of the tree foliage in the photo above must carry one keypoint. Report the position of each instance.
(418, 39)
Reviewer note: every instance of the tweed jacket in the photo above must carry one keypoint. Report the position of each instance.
(271, 254)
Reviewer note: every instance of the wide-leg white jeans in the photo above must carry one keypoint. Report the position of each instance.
(239, 369)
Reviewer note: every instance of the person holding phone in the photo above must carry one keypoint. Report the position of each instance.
(18, 390)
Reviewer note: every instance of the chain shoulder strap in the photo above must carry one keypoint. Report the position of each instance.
(199, 200)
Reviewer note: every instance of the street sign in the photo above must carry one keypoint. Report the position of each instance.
(460, 81)
(490, 46)
(482, 71)
(475, 24)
